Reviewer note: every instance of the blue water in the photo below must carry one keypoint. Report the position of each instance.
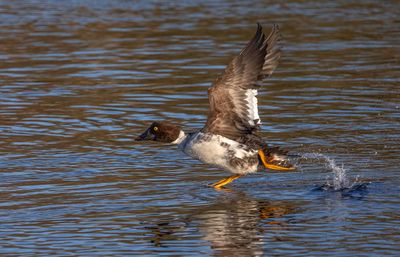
(79, 80)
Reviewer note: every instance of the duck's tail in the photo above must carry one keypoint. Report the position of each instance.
(275, 159)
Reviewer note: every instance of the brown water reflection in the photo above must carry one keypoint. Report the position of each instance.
(233, 228)
(234, 224)
(79, 79)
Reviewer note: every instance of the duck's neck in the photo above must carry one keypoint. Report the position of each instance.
(180, 138)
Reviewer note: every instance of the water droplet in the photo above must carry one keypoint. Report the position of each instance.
(340, 180)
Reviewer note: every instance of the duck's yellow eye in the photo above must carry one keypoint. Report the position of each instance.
(155, 128)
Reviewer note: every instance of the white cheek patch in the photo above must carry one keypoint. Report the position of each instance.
(180, 138)
(252, 107)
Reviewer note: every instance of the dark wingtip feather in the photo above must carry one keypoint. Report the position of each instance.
(255, 42)
(259, 27)
(273, 52)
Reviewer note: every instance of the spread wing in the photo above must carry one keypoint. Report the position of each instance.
(233, 104)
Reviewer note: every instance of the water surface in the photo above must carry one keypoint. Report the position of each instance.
(80, 79)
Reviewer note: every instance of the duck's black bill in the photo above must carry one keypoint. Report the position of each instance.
(145, 136)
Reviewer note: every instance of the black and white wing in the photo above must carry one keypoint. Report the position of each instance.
(233, 103)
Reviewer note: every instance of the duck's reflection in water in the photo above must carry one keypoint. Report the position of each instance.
(236, 224)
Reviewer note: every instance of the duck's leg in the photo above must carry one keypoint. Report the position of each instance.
(225, 181)
(270, 165)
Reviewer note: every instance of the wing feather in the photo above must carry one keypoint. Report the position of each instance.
(233, 102)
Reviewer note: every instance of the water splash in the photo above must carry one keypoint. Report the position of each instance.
(340, 179)
(340, 182)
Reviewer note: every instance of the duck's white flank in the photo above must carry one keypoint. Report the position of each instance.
(221, 152)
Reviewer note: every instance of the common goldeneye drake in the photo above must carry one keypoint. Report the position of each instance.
(228, 139)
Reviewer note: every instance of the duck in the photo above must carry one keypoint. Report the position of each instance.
(229, 137)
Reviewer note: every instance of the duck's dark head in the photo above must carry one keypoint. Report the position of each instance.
(162, 132)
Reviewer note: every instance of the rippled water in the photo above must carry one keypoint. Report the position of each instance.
(80, 79)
